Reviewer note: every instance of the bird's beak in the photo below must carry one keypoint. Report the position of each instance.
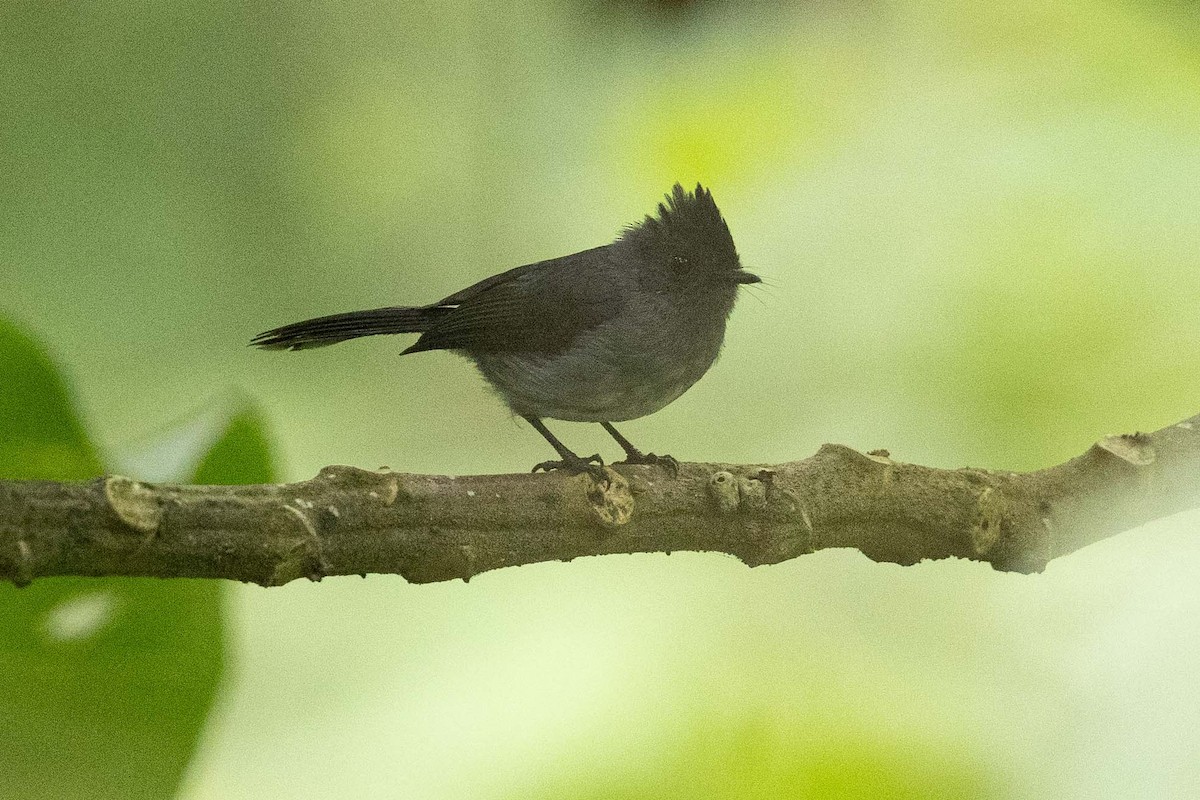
(741, 276)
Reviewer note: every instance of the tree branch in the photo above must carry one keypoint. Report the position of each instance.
(433, 528)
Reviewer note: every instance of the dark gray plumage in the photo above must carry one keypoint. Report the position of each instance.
(607, 334)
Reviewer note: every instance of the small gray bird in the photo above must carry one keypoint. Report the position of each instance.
(609, 334)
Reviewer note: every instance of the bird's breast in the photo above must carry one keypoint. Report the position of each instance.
(623, 369)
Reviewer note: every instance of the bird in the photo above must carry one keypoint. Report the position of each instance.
(604, 335)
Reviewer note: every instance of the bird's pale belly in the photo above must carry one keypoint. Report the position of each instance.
(593, 382)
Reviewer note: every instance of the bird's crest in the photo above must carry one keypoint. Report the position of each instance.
(689, 226)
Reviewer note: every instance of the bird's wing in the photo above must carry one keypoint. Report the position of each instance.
(539, 307)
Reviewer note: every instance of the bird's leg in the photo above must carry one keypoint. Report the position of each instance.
(569, 461)
(635, 456)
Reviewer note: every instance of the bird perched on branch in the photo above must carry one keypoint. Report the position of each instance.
(605, 335)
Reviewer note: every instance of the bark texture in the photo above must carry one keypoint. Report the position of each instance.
(434, 528)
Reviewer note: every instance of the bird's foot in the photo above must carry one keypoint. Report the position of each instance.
(574, 464)
(670, 463)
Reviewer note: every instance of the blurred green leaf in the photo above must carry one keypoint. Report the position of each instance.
(40, 436)
(104, 684)
(241, 455)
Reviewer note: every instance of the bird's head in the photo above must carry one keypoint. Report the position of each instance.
(689, 243)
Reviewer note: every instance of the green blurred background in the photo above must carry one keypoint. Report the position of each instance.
(980, 225)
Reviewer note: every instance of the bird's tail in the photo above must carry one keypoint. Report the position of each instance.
(336, 328)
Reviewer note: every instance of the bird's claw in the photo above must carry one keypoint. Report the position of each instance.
(574, 465)
(670, 463)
